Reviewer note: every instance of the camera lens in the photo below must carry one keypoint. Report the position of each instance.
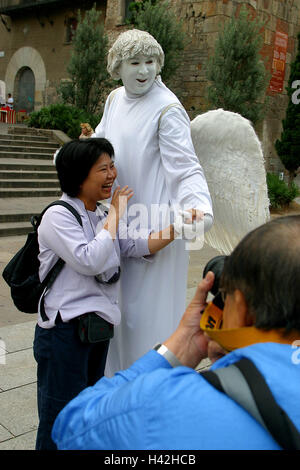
(215, 265)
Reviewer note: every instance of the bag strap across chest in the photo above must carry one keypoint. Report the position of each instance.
(243, 382)
(56, 269)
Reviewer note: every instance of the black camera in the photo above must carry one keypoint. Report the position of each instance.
(216, 265)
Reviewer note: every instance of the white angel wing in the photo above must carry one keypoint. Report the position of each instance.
(232, 159)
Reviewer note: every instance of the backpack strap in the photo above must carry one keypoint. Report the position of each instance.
(56, 269)
(243, 382)
(36, 220)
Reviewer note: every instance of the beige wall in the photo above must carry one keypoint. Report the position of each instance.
(42, 48)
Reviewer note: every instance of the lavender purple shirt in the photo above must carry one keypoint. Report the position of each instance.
(87, 251)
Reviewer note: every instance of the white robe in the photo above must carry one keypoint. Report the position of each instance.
(154, 156)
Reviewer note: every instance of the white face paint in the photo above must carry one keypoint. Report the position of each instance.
(138, 74)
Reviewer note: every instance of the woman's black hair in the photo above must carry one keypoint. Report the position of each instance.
(75, 160)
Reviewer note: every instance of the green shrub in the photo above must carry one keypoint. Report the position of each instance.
(280, 194)
(288, 146)
(236, 72)
(160, 20)
(63, 117)
(89, 82)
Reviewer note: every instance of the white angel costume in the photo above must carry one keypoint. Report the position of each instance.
(232, 158)
(154, 155)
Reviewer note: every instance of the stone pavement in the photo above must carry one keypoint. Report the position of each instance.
(18, 409)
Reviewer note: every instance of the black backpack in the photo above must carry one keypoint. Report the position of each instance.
(22, 272)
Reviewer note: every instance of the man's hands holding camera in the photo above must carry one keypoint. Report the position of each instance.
(189, 343)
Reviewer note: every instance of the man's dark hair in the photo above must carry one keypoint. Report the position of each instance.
(265, 266)
(76, 158)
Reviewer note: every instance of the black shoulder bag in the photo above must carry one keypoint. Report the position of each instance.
(22, 272)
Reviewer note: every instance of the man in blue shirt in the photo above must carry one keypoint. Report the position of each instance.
(161, 402)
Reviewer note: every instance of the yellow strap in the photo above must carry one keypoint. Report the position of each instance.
(231, 339)
(172, 105)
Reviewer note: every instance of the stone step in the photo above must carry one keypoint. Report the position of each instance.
(35, 192)
(26, 149)
(28, 178)
(30, 131)
(11, 218)
(20, 206)
(27, 175)
(22, 137)
(26, 164)
(32, 139)
(30, 183)
(32, 155)
(16, 213)
(13, 229)
(6, 140)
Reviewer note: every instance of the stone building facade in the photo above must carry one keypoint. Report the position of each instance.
(36, 42)
(204, 19)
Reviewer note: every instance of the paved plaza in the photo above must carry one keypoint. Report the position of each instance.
(18, 408)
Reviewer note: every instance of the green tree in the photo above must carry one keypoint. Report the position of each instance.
(236, 71)
(288, 147)
(89, 80)
(161, 22)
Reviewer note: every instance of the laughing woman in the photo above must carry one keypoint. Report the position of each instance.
(81, 308)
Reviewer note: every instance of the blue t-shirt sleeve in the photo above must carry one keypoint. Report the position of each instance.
(94, 418)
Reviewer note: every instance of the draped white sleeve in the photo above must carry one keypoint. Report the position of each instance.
(185, 179)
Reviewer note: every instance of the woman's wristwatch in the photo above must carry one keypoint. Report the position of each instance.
(167, 354)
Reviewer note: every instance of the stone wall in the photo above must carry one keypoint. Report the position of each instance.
(203, 19)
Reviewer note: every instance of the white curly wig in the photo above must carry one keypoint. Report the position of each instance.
(128, 45)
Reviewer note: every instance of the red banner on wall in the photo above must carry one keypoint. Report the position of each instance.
(278, 64)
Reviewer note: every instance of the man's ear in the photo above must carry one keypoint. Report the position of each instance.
(242, 308)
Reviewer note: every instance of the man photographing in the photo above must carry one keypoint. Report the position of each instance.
(161, 402)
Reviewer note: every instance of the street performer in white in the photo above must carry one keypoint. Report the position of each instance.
(154, 154)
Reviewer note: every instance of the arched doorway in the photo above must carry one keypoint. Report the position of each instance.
(25, 90)
(27, 57)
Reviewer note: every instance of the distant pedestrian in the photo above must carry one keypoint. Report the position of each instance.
(10, 101)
